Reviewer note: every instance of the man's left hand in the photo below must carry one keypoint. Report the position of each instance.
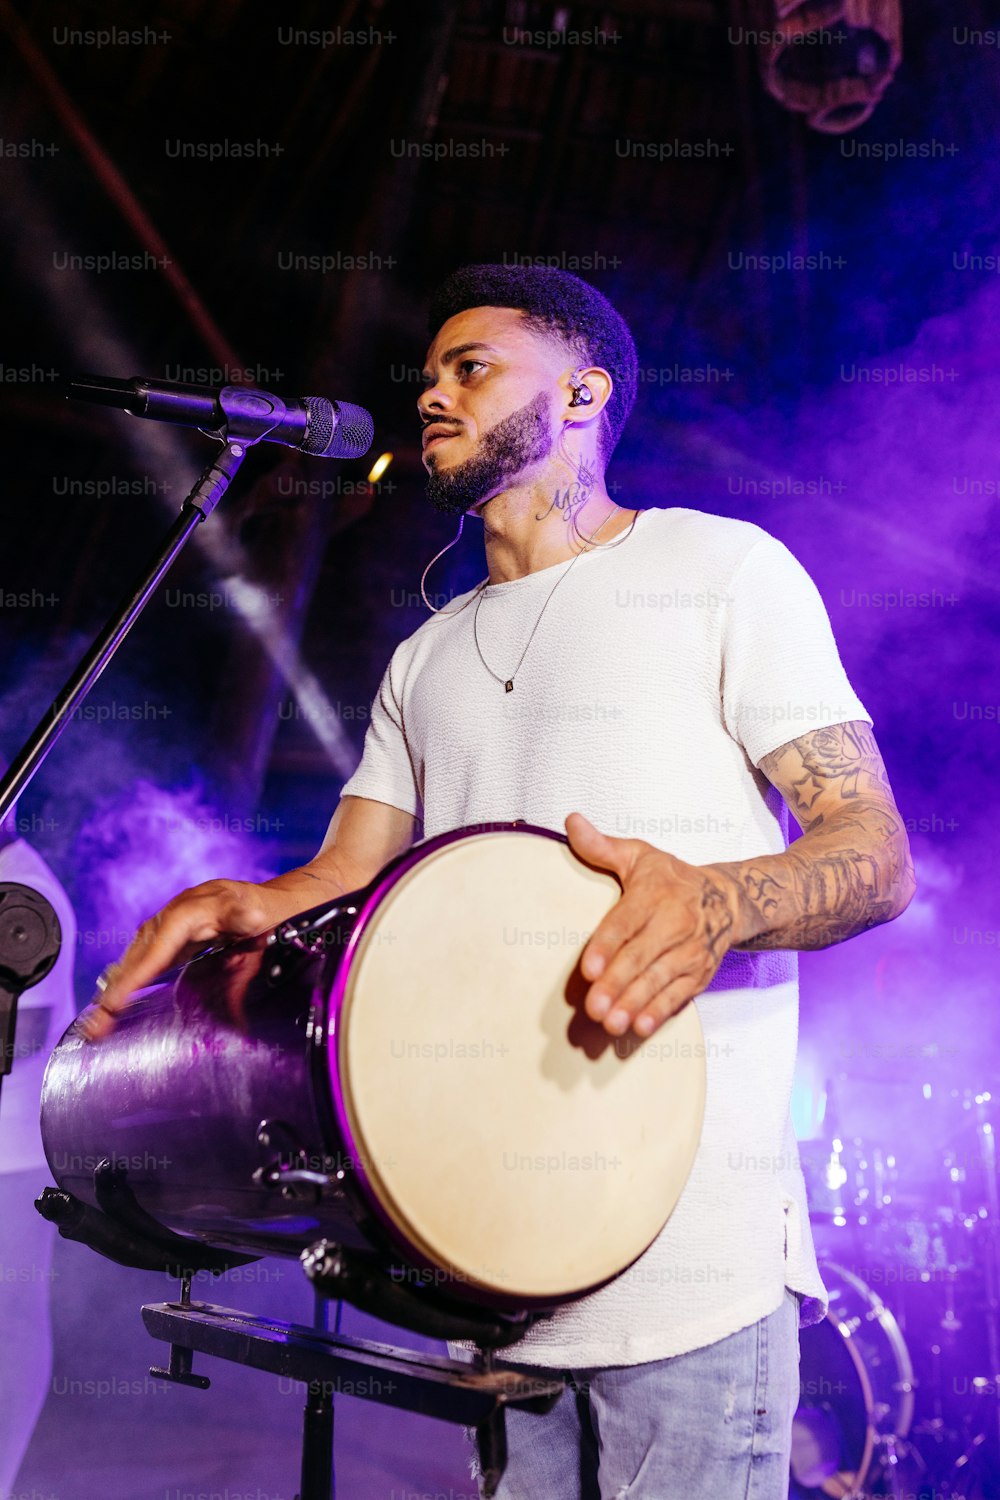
(662, 941)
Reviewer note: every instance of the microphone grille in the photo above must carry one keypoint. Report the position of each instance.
(355, 430)
(319, 424)
(337, 429)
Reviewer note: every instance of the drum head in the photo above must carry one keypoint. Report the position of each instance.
(505, 1136)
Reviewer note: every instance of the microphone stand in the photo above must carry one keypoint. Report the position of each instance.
(198, 506)
(30, 939)
(245, 425)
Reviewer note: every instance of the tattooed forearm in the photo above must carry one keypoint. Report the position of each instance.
(851, 869)
(807, 898)
(719, 918)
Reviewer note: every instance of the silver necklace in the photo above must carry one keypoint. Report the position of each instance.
(508, 682)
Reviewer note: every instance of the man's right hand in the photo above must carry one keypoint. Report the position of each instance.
(363, 836)
(215, 911)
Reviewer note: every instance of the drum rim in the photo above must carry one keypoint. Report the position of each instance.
(860, 1369)
(335, 1004)
(893, 1334)
(889, 1325)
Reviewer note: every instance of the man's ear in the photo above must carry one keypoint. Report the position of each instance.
(587, 392)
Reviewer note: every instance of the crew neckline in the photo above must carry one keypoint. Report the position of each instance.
(513, 583)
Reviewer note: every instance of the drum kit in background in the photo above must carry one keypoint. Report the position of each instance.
(899, 1385)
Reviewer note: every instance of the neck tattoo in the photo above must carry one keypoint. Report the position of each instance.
(574, 496)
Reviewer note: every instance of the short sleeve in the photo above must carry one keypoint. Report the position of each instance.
(781, 671)
(385, 772)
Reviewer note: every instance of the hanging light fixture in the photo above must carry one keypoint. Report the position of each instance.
(831, 60)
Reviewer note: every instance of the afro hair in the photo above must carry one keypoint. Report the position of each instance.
(554, 302)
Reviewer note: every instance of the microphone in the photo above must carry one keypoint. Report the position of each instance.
(325, 429)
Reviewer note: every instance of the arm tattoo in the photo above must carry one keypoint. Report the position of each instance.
(851, 869)
(845, 754)
(820, 900)
(718, 918)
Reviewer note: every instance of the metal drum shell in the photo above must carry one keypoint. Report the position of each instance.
(177, 1093)
(220, 1094)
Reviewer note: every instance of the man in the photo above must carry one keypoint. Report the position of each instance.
(635, 671)
(26, 1239)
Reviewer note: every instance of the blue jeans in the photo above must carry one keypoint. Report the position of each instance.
(714, 1424)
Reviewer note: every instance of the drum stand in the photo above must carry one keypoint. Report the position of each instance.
(474, 1395)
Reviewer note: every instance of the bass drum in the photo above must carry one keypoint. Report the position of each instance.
(856, 1391)
(408, 1069)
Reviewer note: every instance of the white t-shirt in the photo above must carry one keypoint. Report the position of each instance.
(667, 665)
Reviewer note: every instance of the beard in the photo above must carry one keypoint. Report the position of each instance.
(513, 445)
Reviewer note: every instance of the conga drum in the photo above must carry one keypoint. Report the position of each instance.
(408, 1070)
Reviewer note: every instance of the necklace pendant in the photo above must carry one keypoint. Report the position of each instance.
(508, 686)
